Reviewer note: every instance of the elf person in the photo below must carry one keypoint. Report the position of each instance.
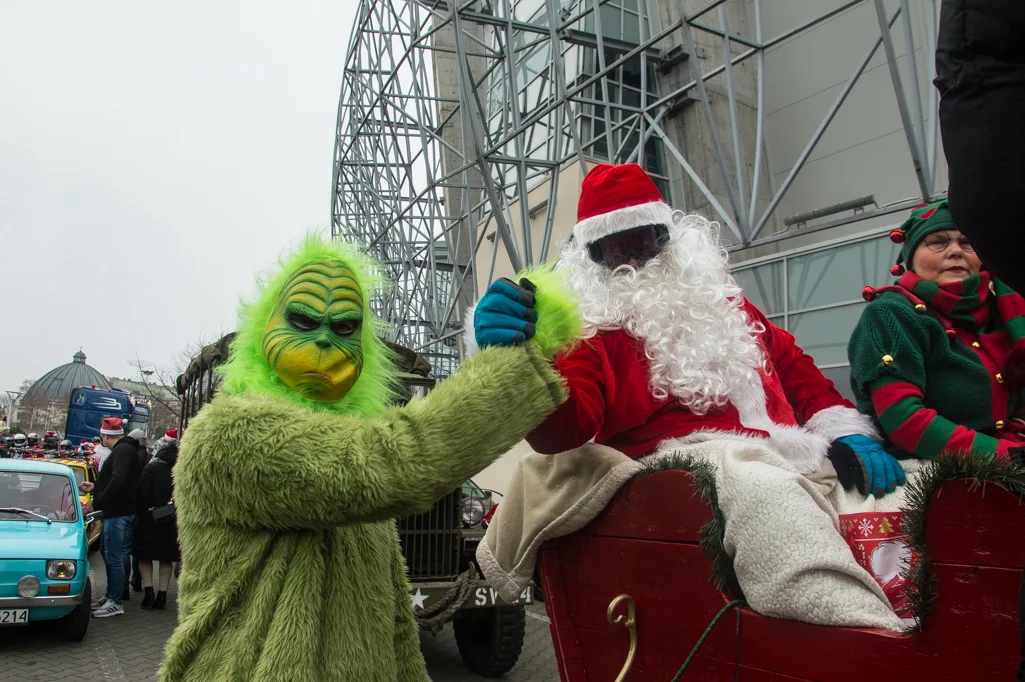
(938, 359)
(288, 481)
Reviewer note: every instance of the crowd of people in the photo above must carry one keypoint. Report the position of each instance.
(134, 492)
(51, 446)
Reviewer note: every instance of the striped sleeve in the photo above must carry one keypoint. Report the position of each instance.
(919, 430)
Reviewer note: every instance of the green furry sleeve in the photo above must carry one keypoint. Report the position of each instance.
(264, 462)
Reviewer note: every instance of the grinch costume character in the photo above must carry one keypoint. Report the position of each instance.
(288, 481)
(941, 366)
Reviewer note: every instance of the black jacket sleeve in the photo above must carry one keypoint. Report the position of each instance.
(121, 460)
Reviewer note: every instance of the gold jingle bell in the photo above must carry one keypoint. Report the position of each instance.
(887, 359)
(999, 377)
(919, 307)
(999, 424)
(975, 344)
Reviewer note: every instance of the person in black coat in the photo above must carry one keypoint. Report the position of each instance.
(980, 74)
(156, 541)
(114, 495)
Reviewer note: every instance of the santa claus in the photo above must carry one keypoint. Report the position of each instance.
(673, 352)
(675, 361)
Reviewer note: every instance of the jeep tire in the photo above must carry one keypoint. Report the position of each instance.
(74, 625)
(490, 640)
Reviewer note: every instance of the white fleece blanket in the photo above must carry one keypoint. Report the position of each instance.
(782, 533)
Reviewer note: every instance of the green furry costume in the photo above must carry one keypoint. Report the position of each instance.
(291, 562)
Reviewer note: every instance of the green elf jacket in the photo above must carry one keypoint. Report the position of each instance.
(931, 386)
(291, 562)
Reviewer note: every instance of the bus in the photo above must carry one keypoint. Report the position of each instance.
(88, 406)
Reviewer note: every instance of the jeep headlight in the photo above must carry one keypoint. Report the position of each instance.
(473, 511)
(60, 569)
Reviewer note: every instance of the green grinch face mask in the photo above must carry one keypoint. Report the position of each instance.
(313, 340)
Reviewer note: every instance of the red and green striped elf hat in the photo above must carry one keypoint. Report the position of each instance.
(925, 219)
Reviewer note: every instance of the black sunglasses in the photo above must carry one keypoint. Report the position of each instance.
(640, 243)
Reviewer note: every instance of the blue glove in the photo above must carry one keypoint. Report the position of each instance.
(863, 463)
(505, 315)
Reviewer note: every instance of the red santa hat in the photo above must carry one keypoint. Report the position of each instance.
(112, 426)
(171, 433)
(618, 198)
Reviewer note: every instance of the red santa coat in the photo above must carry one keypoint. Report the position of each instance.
(795, 409)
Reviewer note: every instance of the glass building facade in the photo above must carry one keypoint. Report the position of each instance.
(815, 293)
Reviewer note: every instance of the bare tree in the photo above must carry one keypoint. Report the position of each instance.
(36, 413)
(159, 384)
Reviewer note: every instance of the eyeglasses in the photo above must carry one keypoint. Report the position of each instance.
(640, 244)
(940, 244)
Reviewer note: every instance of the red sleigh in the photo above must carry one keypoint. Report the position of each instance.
(645, 545)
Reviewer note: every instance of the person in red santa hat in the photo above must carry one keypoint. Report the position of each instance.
(673, 352)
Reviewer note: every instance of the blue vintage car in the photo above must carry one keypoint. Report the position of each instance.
(44, 553)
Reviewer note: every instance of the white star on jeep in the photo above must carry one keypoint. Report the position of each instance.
(418, 598)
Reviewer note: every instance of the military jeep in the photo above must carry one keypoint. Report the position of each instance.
(439, 545)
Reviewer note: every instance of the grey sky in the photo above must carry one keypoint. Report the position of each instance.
(152, 158)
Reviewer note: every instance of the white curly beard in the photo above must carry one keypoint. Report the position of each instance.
(686, 308)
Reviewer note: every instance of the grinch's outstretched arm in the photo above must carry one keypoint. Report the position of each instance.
(267, 463)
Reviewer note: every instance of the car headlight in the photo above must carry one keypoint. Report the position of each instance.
(60, 569)
(28, 586)
(473, 511)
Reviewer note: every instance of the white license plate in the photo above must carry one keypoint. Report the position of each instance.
(13, 616)
(488, 596)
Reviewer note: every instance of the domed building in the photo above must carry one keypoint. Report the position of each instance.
(44, 405)
(55, 386)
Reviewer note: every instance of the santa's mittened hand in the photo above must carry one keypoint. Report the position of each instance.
(1016, 454)
(849, 472)
(505, 315)
(867, 466)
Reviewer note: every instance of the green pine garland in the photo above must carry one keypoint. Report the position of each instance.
(723, 574)
(980, 467)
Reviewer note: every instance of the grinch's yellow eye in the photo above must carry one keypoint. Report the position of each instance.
(345, 327)
(302, 322)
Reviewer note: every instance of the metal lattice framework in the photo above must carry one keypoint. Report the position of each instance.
(457, 119)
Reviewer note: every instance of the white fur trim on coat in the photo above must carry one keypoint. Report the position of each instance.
(837, 421)
(804, 450)
(602, 225)
(469, 335)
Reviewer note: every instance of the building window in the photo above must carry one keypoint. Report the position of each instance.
(815, 294)
(623, 84)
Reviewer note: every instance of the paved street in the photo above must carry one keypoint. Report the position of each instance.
(129, 648)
